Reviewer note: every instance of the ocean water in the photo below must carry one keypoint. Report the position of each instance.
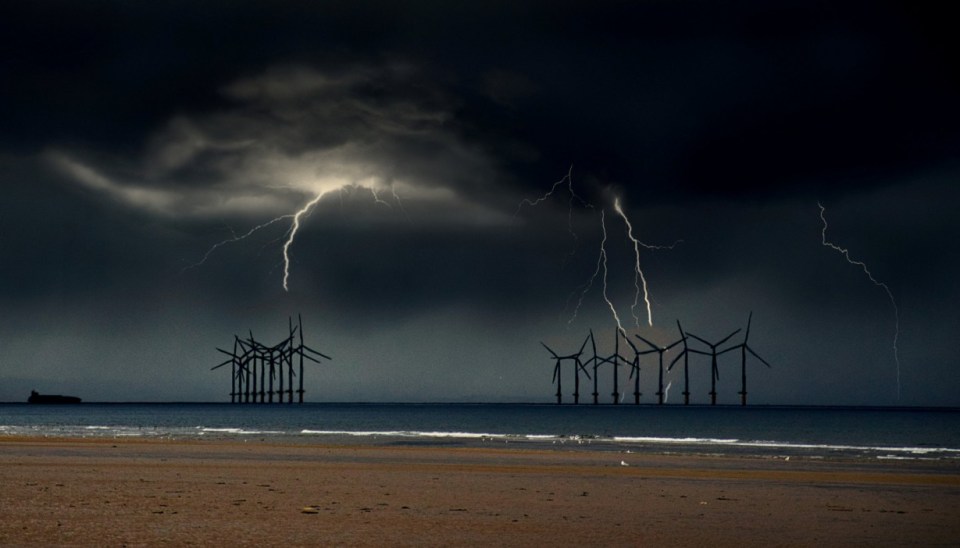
(874, 433)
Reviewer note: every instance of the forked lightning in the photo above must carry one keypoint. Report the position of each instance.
(896, 311)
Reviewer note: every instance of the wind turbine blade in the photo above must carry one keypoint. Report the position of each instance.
(552, 353)
(676, 359)
(757, 356)
(650, 344)
(699, 339)
(727, 338)
(221, 365)
(311, 358)
(600, 360)
(725, 350)
(593, 345)
(556, 371)
(321, 354)
(233, 354)
(581, 366)
(747, 334)
(675, 343)
(582, 346)
(635, 351)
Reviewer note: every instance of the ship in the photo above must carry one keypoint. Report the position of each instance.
(51, 398)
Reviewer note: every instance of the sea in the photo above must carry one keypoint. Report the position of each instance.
(813, 432)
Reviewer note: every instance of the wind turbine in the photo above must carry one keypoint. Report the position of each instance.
(714, 371)
(744, 348)
(302, 350)
(277, 357)
(660, 350)
(685, 354)
(635, 369)
(240, 370)
(578, 365)
(255, 354)
(597, 360)
(234, 365)
(613, 360)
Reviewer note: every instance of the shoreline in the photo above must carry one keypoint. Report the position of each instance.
(144, 492)
(628, 444)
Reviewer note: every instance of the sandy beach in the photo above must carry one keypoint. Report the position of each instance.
(114, 492)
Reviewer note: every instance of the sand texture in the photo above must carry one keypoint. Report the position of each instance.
(110, 492)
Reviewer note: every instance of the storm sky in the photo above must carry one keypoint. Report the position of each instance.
(153, 159)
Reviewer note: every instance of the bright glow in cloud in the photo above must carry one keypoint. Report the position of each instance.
(140, 197)
(292, 136)
(293, 132)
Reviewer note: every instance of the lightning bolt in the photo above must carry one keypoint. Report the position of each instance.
(568, 179)
(639, 280)
(294, 227)
(601, 267)
(377, 199)
(235, 238)
(885, 287)
(296, 219)
(393, 192)
(666, 391)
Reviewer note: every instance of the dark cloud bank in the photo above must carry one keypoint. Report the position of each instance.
(134, 138)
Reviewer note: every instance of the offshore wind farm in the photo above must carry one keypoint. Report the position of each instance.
(616, 359)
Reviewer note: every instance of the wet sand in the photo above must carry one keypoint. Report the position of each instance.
(110, 492)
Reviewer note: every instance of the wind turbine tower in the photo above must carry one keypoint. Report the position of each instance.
(635, 369)
(685, 354)
(614, 360)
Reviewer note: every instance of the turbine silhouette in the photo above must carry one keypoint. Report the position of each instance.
(744, 348)
(578, 366)
(714, 370)
(660, 350)
(635, 369)
(685, 354)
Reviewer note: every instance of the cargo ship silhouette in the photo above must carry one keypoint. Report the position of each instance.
(51, 398)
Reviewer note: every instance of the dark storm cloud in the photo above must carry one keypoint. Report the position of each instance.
(680, 97)
(135, 137)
